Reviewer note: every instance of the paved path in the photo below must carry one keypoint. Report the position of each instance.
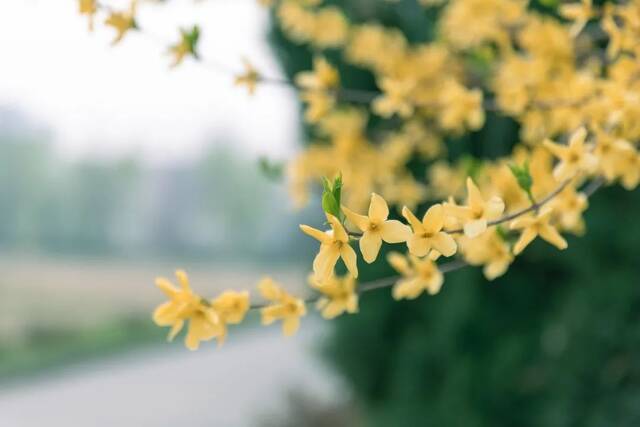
(244, 381)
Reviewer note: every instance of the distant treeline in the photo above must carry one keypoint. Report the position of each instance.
(218, 206)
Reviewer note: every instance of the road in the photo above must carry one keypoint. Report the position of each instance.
(244, 381)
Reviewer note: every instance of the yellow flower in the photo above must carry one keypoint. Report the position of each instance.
(574, 158)
(534, 226)
(620, 38)
(231, 307)
(470, 23)
(579, 13)
(283, 307)
(419, 275)
(609, 151)
(376, 47)
(568, 207)
(183, 305)
(477, 212)
(319, 104)
(490, 250)
(89, 8)
(376, 228)
(249, 78)
(339, 295)
(396, 98)
(331, 28)
(630, 168)
(323, 76)
(428, 234)
(460, 107)
(296, 21)
(318, 85)
(334, 244)
(122, 22)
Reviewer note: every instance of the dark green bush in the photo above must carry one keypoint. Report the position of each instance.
(555, 342)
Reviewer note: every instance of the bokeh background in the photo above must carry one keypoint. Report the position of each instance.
(115, 169)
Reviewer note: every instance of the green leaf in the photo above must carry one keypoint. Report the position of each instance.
(192, 37)
(331, 195)
(270, 169)
(337, 189)
(523, 177)
(330, 204)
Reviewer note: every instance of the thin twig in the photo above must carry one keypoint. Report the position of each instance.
(385, 282)
(518, 213)
(451, 266)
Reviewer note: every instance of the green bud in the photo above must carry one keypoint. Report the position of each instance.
(523, 177)
(331, 196)
(192, 37)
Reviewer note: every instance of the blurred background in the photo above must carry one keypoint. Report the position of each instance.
(115, 169)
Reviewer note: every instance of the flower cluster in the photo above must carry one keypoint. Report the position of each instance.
(569, 79)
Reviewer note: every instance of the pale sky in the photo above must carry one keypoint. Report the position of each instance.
(112, 101)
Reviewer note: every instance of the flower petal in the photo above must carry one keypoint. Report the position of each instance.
(474, 197)
(418, 246)
(560, 151)
(434, 283)
(525, 238)
(473, 229)
(360, 221)
(333, 309)
(175, 330)
(325, 261)
(408, 288)
(576, 141)
(320, 236)
(416, 225)
(350, 260)
(370, 244)
(167, 287)
(399, 263)
(522, 222)
(378, 209)
(183, 279)
(433, 220)
(551, 235)
(269, 289)
(339, 233)
(444, 243)
(394, 231)
(166, 313)
(495, 269)
(494, 208)
(290, 325)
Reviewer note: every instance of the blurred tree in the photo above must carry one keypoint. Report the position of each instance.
(555, 342)
(216, 206)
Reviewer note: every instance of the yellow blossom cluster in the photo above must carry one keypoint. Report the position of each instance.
(570, 80)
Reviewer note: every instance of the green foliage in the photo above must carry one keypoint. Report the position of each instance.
(331, 195)
(270, 169)
(554, 342)
(192, 37)
(523, 176)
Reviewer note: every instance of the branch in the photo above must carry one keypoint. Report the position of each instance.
(451, 266)
(519, 213)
